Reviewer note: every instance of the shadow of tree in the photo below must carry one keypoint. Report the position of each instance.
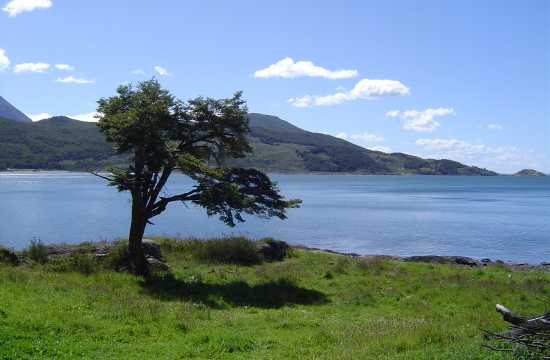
(273, 294)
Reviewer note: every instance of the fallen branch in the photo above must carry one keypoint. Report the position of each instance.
(530, 334)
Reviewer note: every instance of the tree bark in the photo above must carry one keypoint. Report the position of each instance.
(138, 265)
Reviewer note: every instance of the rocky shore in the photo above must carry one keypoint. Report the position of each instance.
(442, 259)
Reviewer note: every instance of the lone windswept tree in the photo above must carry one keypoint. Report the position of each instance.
(162, 135)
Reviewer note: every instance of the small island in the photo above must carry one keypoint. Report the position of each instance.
(529, 172)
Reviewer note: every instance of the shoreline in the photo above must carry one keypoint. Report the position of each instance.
(440, 259)
(25, 171)
(100, 248)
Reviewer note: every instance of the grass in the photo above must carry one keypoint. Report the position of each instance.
(312, 305)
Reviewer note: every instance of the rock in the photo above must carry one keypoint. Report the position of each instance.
(151, 248)
(460, 260)
(272, 250)
(58, 250)
(156, 264)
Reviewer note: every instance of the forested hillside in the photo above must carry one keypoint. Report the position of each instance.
(63, 143)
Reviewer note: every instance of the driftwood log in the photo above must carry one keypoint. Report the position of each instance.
(532, 335)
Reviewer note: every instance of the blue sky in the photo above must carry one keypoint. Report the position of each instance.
(466, 80)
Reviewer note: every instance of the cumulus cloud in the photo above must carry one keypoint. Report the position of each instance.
(162, 71)
(31, 67)
(89, 117)
(64, 67)
(420, 120)
(500, 158)
(4, 60)
(495, 127)
(138, 72)
(288, 68)
(385, 149)
(16, 7)
(73, 80)
(364, 89)
(38, 117)
(365, 137)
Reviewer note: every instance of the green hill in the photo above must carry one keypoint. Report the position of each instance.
(63, 143)
(529, 172)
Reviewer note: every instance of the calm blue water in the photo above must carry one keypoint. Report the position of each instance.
(498, 217)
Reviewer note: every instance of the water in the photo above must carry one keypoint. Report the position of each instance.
(497, 217)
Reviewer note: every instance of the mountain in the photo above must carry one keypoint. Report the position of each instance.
(10, 112)
(55, 143)
(529, 172)
(279, 146)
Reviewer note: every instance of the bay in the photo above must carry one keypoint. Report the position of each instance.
(500, 217)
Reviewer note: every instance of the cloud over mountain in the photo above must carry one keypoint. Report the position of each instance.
(365, 89)
(420, 120)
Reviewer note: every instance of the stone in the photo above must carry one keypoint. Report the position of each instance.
(151, 248)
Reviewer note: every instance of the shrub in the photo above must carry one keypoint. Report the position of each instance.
(118, 257)
(234, 250)
(373, 264)
(273, 250)
(37, 251)
(75, 262)
(8, 257)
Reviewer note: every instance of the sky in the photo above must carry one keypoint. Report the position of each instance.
(464, 80)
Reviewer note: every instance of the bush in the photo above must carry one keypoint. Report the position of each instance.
(75, 262)
(234, 250)
(119, 256)
(8, 257)
(272, 250)
(37, 251)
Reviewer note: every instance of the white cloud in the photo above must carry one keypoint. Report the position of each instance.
(73, 80)
(138, 72)
(31, 67)
(364, 89)
(304, 101)
(501, 158)
(4, 60)
(38, 117)
(365, 137)
(89, 117)
(495, 127)
(287, 68)
(15, 7)
(385, 149)
(64, 67)
(420, 120)
(162, 71)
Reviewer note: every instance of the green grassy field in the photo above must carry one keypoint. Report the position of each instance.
(313, 305)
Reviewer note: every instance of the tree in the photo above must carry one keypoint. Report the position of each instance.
(162, 135)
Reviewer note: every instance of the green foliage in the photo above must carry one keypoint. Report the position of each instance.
(8, 257)
(56, 143)
(118, 256)
(161, 135)
(75, 262)
(230, 250)
(37, 251)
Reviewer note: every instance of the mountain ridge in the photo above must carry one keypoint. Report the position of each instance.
(8, 111)
(278, 146)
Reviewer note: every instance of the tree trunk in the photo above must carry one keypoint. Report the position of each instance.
(138, 265)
